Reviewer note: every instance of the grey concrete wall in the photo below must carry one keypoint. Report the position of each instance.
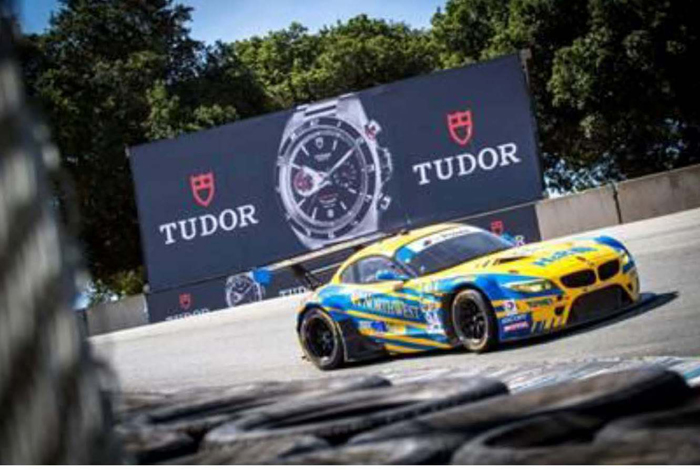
(659, 194)
(126, 313)
(580, 212)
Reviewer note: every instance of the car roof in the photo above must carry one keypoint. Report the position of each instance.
(388, 246)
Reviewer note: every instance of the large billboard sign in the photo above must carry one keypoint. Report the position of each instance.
(431, 148)
(518, 224)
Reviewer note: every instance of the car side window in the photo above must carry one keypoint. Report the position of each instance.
(367, 269)
(348, 276)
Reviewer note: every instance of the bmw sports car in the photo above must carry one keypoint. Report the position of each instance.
(450, 285)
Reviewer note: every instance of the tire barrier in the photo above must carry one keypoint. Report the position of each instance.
(614, 394)
(433, 449)
(669, 437)
(632, 416)
(53, 410)
(337, 417)
(162, 427)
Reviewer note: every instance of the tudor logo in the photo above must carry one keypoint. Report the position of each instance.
(460, 126)
(497, 227)
(203, 188)
(185, 301)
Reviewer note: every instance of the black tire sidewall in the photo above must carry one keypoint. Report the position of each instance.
(491, 327)
(336, 358)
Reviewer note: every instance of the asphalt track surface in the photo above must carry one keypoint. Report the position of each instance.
(258, 342)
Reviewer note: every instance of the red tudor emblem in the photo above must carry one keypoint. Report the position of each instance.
(185, 301)
(497, 227)
(202, 188)
(459, 124)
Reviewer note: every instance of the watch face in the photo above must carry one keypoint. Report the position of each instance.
(326, 178)
(242, 289)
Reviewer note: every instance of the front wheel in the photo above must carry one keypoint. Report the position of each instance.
(320, 339)
(473, 321)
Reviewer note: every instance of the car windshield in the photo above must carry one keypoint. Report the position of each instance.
(449, 248)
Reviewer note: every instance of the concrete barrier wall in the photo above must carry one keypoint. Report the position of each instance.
(580, 212)
(126, 313)
(659, 194)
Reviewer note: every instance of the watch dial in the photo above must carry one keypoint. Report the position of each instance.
(326, 178)
(241, 289)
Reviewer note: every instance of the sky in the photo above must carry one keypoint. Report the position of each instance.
(229, 20)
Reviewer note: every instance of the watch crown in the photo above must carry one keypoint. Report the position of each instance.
(384, 202)
(372, 128)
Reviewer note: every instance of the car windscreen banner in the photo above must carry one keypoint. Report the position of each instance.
(427, 149)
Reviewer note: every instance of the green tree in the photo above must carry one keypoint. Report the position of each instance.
(366, 52)
(612, 94)
(296, 67)
(98, 61)
(626, 81)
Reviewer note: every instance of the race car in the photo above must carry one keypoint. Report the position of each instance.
(451, 285)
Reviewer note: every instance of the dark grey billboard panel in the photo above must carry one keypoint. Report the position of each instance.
(244, 195)
(518, 225)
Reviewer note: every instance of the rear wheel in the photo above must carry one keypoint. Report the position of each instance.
(473, 321)
(320, 338)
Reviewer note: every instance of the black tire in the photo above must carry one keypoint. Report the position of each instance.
(473, 321)
(255, 452)
(434, 449)
(321, 340)
(553, 438)
(669, 437)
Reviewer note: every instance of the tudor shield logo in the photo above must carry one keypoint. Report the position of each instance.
(185, 301)
(459, 124)
(203, 188)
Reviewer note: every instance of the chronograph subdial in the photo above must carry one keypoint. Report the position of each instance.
(346, 177)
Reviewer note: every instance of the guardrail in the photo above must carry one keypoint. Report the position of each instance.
(612, 204)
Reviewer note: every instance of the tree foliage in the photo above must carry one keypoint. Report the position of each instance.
(612, 84)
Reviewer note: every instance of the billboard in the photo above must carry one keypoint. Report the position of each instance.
(426, 149)
(518, 224)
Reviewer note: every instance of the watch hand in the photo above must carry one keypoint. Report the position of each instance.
(339, 163)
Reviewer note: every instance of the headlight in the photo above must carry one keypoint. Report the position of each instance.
(626, 259)
(532, 287)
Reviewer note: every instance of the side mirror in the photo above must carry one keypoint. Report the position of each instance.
(387, 275)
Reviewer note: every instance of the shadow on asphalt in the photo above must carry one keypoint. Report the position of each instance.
(648, 302)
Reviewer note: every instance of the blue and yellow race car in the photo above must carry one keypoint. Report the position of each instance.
(452, 285)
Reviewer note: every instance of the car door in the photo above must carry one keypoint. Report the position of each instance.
(394, 311)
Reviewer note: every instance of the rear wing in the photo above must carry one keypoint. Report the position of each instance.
(315, 269)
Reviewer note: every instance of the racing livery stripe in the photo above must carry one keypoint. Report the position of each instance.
(397, 342)
(409, 339)
(371, 316)
(397, 348)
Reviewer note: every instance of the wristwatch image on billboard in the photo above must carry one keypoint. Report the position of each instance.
(331, 172)
(243, 289)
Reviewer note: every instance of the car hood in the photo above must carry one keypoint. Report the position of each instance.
(545, 259)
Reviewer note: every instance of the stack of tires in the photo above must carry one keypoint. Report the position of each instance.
(635, 416)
